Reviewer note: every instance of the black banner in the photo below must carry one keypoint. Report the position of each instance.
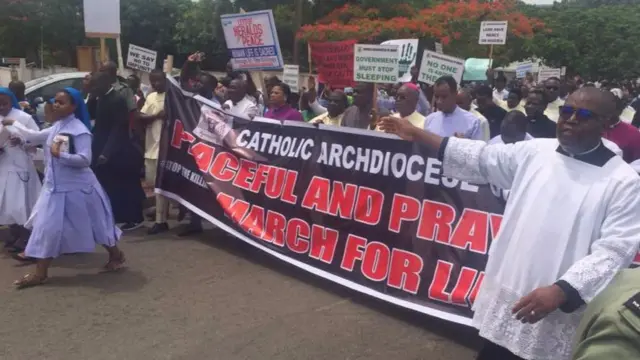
(360, 208)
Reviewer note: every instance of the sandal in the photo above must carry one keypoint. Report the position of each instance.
(115, 264)
(29, 280)
(20, 256)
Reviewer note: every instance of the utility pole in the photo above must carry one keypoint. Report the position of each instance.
(297, 24)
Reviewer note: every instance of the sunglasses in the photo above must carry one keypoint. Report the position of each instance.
(581, 114)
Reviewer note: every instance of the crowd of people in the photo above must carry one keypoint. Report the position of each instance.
(566, 152)
(560, 147)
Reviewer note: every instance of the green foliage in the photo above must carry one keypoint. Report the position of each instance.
(591, 37)
(593, 42)
(24, 23)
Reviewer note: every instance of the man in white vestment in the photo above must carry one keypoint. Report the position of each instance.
(570, 224)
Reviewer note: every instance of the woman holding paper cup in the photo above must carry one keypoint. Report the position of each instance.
(19, 182)
(73, 213)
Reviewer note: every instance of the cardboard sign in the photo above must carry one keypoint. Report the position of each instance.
(291, 77)
(435, 65)
(545, 73)
(101, 18)
(408, 56)
(439, 48)
(376, 63)
(141, 59)
(523, 69)
(334, 62)
(252, 41)
(493, 33)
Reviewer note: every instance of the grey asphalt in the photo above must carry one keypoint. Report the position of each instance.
(210, 297)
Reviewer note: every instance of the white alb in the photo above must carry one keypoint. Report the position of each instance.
(565, 219)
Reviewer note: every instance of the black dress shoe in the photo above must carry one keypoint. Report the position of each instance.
(158, 228)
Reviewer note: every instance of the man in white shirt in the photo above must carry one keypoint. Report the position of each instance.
(570, 224)
(239, 104)
(450, 119)
(552, 89)
(500, 92)
(152, 117)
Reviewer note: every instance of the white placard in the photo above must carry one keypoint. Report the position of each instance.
(141, 59)
(523, 69)
(545, 73)
(376, 63)
(435, 65)
(252, 40)
(101, 18)
(493, 33)
(563, 71)
(291, 77)
(408, 56)
(439, 48)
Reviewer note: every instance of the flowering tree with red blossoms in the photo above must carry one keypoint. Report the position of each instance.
(455, 24)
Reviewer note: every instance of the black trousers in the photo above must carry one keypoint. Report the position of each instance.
(491, 351)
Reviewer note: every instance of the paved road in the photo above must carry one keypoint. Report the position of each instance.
(207, 298)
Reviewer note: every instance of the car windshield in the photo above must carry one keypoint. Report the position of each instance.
(37, 81)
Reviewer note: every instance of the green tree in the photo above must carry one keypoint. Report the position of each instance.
(593, 42)
(26, 24)
(151, 23)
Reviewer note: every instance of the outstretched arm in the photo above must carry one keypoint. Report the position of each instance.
(32, 135)
(464, 159)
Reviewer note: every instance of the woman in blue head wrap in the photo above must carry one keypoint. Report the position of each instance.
(73, 213)
(81, 112)
(19, 181)
(11, 102)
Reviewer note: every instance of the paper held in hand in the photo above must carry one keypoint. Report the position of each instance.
(435, 65)
(4, 134)
(376, 63)
(493, 33)
(64, 142)
(141, 59)
(291, 77)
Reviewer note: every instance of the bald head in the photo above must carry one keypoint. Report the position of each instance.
(109, 67)
(237, 90)
(583, 119)
(514, 127)
(464, 99)
(407, 99)
(602, 103)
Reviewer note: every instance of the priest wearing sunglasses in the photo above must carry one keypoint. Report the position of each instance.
(570, 224)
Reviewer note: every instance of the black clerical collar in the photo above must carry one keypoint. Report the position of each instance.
(598, 156)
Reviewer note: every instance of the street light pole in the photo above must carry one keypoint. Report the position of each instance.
(296, 27)
(41, 35)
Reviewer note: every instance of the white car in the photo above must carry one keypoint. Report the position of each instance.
(42, 89)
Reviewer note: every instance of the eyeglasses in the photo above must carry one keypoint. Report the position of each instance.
(581, 114)
(552, 88)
